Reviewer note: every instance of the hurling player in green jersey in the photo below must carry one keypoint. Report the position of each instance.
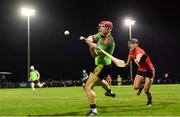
(84, 78)
(34, 79)
(104, 40)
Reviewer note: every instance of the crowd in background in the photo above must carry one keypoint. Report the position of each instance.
(4, 83)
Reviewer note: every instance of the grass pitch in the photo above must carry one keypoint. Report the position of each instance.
(72, 101)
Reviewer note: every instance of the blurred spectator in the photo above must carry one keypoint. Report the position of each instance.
(109, 79)
(84, 78)
(119, 80)
(166, 78)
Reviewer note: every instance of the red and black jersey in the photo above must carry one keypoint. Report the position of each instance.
(145, 62)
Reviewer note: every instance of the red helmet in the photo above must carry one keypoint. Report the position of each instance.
(107, 24)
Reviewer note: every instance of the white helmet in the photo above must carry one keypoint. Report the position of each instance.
(31, 67)
(84, 71)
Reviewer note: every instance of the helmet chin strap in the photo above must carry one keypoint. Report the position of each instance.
(105, 35)
(108, 34)
(133, 48)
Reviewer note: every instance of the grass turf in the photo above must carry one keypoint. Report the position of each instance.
(72, 101)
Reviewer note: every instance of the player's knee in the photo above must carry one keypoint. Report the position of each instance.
(146, 90)
(88, 87)
(136, 87)
(94, 95)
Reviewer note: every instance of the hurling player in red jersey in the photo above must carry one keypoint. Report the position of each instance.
(145, 72)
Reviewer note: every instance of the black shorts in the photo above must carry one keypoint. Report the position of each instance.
(149, 73)
(101, 71)
(36, 81)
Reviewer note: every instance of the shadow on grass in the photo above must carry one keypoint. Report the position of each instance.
(133, 108)
(118, 109)
(165, 103)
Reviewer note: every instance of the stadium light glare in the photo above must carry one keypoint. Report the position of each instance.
(27, 12)
(129, 22)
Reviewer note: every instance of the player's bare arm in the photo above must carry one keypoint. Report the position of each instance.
(138, 58)
(92, 46)
(89, 41)
(38, 74)
(128, 61)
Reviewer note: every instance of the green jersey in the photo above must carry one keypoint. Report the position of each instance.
(106, 44)
(85, 76)
(34, 75)
(119, 79)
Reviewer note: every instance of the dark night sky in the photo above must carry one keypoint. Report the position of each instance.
(57, 56)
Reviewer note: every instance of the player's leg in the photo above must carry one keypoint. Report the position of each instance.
(91, 94)
(119, 83)
(107, 87)
(102, 75)
(33, 87)
(84, 83)
(110, 83)
(104, 84)
(148, 82)
(147, 86)
(138, 86)
(40, 84)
